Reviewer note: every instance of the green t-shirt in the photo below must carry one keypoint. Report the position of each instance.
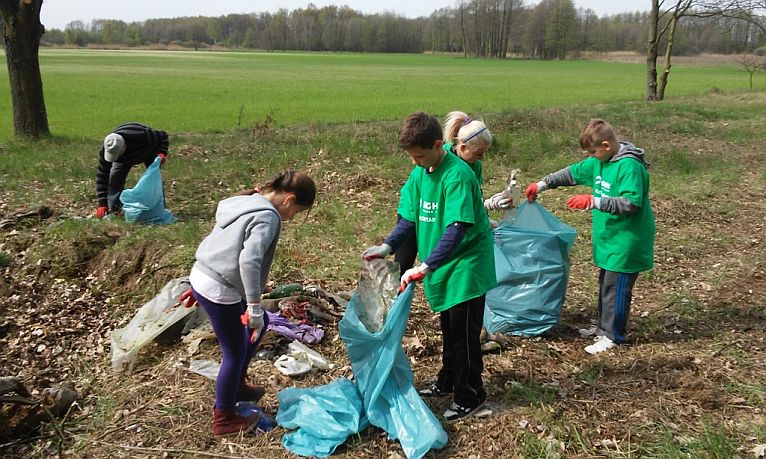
(433, 201)
(475, 166)
(621, 243)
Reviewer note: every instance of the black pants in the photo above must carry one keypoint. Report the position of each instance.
(461, 352)
(406, 253)
(615, 291)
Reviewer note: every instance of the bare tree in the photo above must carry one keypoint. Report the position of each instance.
(663, 24)
(752, 64)
(21, 29)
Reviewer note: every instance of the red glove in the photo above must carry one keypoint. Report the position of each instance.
(416, 274)
(531, 192)
(163, 157)
(101, 211)
(187, 299)
(581, 201)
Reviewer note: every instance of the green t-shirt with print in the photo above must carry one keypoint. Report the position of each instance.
(475, 166)
(448, 195)
(621, 243)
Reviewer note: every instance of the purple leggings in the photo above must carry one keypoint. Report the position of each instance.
(236, 348)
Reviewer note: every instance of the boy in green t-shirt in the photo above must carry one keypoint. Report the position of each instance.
(441, 203)
(623, 222)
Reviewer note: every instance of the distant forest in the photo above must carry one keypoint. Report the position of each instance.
(551, 29)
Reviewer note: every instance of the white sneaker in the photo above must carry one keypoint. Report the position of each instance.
(590, 331)
(601, 345)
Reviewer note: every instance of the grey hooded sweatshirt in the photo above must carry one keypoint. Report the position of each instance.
(240, 249)
(615, 206)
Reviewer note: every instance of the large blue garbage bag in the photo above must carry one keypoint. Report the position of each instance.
(532, 249)
(145, 202)
(324, 417)
(383, 391)
(384, 378)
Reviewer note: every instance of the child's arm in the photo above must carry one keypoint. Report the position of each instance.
(559, 178)
(400, 232)
(447, 244)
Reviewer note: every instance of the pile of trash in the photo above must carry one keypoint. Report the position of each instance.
(297, 315)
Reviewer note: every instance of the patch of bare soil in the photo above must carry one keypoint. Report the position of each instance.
(699, 60)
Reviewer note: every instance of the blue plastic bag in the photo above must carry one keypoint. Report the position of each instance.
(145, 202)
(532, 249)
(384, 378)
(265, 422)
(324, 417)
(382, 393)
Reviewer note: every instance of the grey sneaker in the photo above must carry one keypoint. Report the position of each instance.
(456, 412)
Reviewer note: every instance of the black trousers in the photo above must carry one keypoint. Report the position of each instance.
(461, 352)
(406, 253)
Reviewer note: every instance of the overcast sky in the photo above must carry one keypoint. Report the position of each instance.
(56, 14)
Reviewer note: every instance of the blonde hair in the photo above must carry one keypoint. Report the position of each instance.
(460, 128)
(595, 132)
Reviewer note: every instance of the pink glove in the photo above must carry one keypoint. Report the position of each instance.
(416, 274)
(102, 211)
(581, 201)
(187, 299)
(163, 157)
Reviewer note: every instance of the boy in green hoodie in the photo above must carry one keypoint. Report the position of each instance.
(623, 222)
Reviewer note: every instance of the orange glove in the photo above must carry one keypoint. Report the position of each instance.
(102, 211)
(581, 201)
(416, 274)
(187, 299)
(253, 319)
(534, 189)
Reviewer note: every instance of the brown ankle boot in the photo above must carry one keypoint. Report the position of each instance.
(249, 393)
(227, 422)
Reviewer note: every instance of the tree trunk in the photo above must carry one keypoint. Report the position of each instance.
(21, 29)
(666, 65)
(651, 52)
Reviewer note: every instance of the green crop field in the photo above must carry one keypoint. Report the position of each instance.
(87, 92)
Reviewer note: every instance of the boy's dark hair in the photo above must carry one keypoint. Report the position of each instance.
(596, 132)
(419, 129)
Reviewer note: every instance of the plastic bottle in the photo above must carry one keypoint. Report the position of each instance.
(265, 422)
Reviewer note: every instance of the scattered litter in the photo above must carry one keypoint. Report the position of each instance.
(154, 318)
(291, 366)
(206, 368)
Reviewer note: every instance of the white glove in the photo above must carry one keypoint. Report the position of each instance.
(377, 251)
(253, 318)
(498, 202)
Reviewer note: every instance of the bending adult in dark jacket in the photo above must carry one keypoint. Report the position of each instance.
(127, 145)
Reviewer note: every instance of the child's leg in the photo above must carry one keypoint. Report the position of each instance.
(465, 321)
(616, 292)
(601, 273)
(444, 379)
(231, 336)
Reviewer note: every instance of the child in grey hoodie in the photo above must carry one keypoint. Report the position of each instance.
(231, 270)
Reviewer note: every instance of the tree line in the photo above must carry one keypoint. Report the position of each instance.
(550, 29)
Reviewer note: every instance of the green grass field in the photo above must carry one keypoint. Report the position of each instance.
(688, 384)
(88, 92)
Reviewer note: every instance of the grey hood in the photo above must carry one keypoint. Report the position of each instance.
(240, 249)
(628, 150)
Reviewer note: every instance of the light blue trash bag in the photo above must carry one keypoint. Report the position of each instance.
(385, 381)
(532, 249)
(324, 417)
(383, 393)
(145, 202)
